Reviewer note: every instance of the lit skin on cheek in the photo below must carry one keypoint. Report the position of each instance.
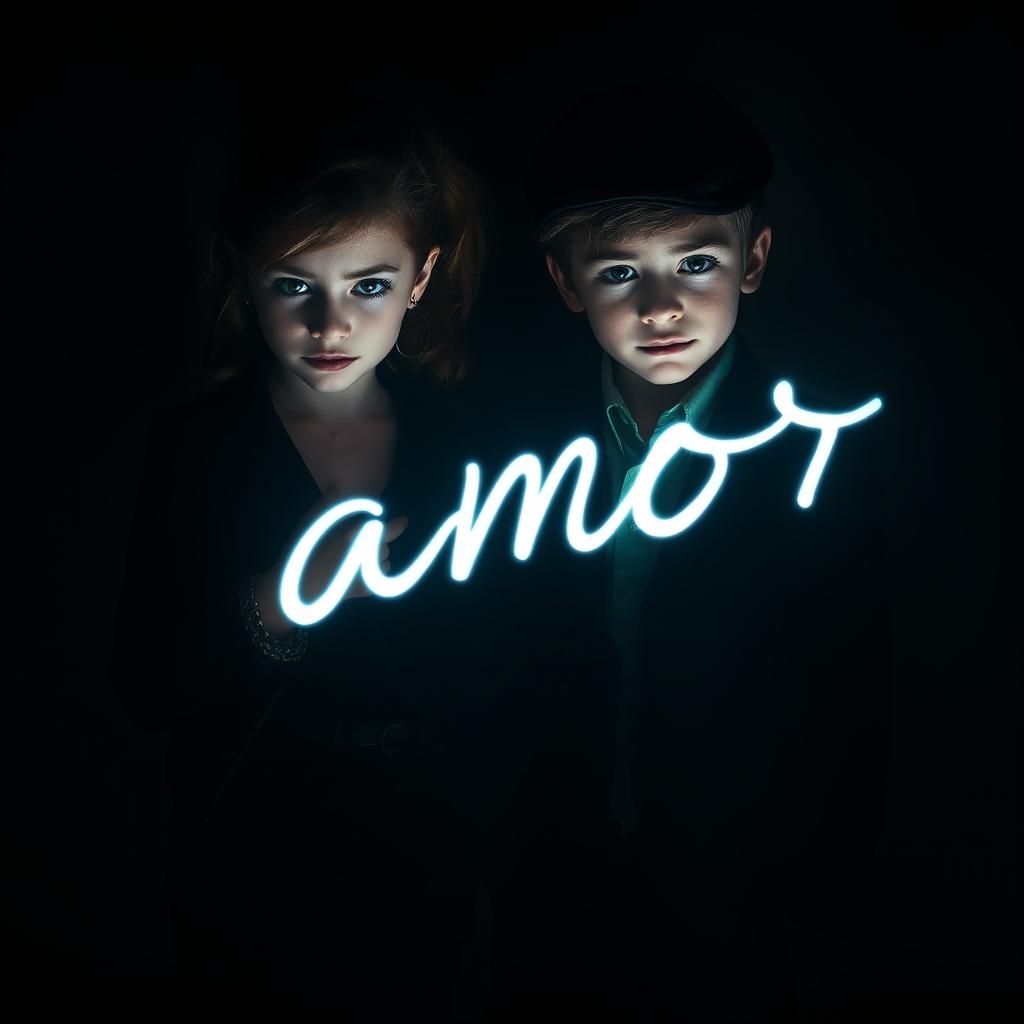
(369, 335)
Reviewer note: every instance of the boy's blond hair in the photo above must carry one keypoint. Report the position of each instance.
(612, 223)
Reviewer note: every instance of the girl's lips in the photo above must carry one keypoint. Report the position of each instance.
(330, 362)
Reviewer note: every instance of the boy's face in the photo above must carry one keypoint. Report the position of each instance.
(662, 304)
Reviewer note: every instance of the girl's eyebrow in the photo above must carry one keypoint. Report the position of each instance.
(380, 268)
(676, 250)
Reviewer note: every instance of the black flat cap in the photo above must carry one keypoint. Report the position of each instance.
(677, 142)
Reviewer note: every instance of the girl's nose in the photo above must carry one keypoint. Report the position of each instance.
(333, 326)
(329, 334)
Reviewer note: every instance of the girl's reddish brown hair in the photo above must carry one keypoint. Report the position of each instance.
(348, 178)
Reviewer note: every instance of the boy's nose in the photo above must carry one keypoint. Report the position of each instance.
(659, 303)
(664, 312)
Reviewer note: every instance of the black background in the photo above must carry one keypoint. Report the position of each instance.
(894, 253)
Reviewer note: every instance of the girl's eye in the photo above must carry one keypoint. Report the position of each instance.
(616, 275)
(373, 287)
(283, 285)
(705, 264)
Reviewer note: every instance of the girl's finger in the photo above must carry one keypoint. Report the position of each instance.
(395, 527)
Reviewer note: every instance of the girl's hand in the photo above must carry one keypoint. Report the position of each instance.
(322, 564)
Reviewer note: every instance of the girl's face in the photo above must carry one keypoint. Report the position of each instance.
(347, 299)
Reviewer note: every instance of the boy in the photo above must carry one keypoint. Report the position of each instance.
(753, 648)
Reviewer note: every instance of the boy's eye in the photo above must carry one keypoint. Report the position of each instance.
(617, 275)
(693, 265)
(373, 287)
(283, 285)
(704, 264)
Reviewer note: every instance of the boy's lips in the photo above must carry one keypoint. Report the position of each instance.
(666, 346)
(658, 342)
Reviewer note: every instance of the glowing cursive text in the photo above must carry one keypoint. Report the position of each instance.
(469, 528)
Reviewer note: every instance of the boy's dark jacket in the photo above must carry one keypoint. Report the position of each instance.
(761, 719)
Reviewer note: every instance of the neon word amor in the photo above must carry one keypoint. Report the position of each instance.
(469, 528)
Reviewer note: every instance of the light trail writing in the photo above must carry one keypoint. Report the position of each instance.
(469, 528)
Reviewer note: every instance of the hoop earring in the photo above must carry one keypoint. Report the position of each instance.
(426, 345)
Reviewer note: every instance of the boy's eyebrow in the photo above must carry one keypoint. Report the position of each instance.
(380, 268)
(713, 242)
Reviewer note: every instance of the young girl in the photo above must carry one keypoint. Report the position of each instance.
(328, 782)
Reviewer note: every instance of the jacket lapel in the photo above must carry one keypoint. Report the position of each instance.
(589, 570)
(742, 406)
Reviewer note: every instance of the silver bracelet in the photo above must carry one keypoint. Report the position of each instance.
(290, 649)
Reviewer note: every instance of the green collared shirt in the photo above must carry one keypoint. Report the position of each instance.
(631, 553)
